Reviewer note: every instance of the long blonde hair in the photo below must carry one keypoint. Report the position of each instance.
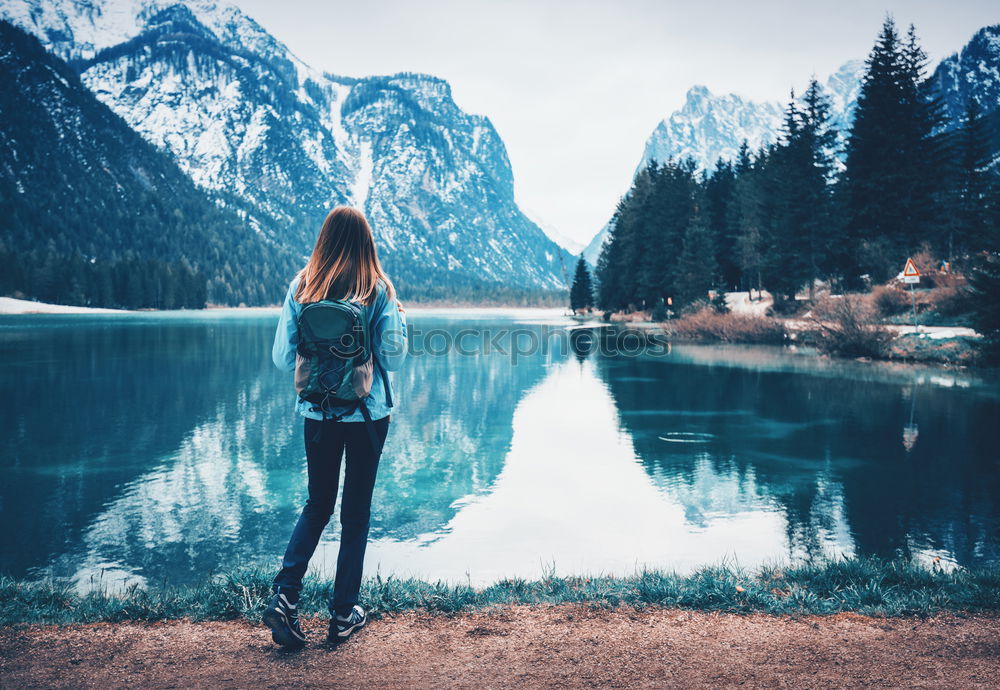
(344, 263)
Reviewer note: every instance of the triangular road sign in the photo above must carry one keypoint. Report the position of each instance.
(910, 271)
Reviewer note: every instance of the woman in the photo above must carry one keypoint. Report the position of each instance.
(343, 266)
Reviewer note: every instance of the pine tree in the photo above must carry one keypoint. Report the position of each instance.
(928, 160)
(581, 294)
(784, 267)
(610, 293)
(719, 192)
(668, 214)
(801, 170)
(638, 267)
(744, 160)
(984, 289)
(749, 217)
(890, 207)
(970, 226)
(696, 268)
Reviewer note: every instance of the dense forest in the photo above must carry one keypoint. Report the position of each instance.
(819, 204)
(123, 225)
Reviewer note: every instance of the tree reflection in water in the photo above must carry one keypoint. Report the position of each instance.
(824, 445)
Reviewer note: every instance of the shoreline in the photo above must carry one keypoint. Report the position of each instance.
(944, 347)
(10, 306)
(868, 586)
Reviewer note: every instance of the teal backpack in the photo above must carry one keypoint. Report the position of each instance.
(335, 362)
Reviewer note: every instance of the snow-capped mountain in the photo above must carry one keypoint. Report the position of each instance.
(256, 127)
(709, 127)
(972, 73)
(132, 211)
(842, 88)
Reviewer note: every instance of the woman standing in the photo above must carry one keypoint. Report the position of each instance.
(344, 266)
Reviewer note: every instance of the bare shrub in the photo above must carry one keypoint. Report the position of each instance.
(945, 301)
(849, 327)
(708, 324)
(785, 306)
(695, 306)
(889, 300)
(630, 317)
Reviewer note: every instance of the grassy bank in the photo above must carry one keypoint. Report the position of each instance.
(867, 586)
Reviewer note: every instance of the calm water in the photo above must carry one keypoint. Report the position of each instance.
(165, 447)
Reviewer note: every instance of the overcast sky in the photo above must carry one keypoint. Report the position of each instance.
(574, 88)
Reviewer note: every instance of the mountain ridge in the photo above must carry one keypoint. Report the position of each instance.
(250, 122)
(116, 222)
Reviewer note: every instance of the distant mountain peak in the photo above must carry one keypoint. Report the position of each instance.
(708, 126)
(973, 73)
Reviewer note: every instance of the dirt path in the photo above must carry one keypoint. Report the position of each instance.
(561, 646)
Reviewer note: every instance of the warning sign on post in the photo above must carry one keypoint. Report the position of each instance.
(910, 272)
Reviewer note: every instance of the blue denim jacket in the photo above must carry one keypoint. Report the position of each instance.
(388, 333)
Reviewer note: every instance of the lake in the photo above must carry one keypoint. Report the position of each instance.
(164, 447)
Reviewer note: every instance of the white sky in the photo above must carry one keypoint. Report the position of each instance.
(574, 88)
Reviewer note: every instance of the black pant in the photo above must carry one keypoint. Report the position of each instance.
(325, 445)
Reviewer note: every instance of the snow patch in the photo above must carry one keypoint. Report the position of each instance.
(363, 177)
(9, 305)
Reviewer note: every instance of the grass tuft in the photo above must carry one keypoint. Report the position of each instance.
(864, 585)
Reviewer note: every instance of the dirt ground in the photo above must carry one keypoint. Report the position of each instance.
(552, 646)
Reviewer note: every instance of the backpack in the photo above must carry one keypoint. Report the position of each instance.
(334, 360)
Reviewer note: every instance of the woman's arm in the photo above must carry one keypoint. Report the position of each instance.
(389, 332)
(286, 337)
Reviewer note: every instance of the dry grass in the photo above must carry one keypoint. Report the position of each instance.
(630, 317)
(709, 325)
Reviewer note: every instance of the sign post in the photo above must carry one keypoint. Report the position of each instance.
(911, 276)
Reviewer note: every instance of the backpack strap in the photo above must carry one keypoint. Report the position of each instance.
(385, 380)
(370, 425)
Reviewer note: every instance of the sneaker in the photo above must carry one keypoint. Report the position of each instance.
(282, 617)
(342, 627)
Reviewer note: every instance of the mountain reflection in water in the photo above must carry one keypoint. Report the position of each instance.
(182, 455)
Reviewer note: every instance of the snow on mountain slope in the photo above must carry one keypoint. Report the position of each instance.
(76, 29)
(972, 73)
(843, 88)
(709, 127)
(250, 122)
(441, 191)
(134, 211)
(592, 252)
(237, 123)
